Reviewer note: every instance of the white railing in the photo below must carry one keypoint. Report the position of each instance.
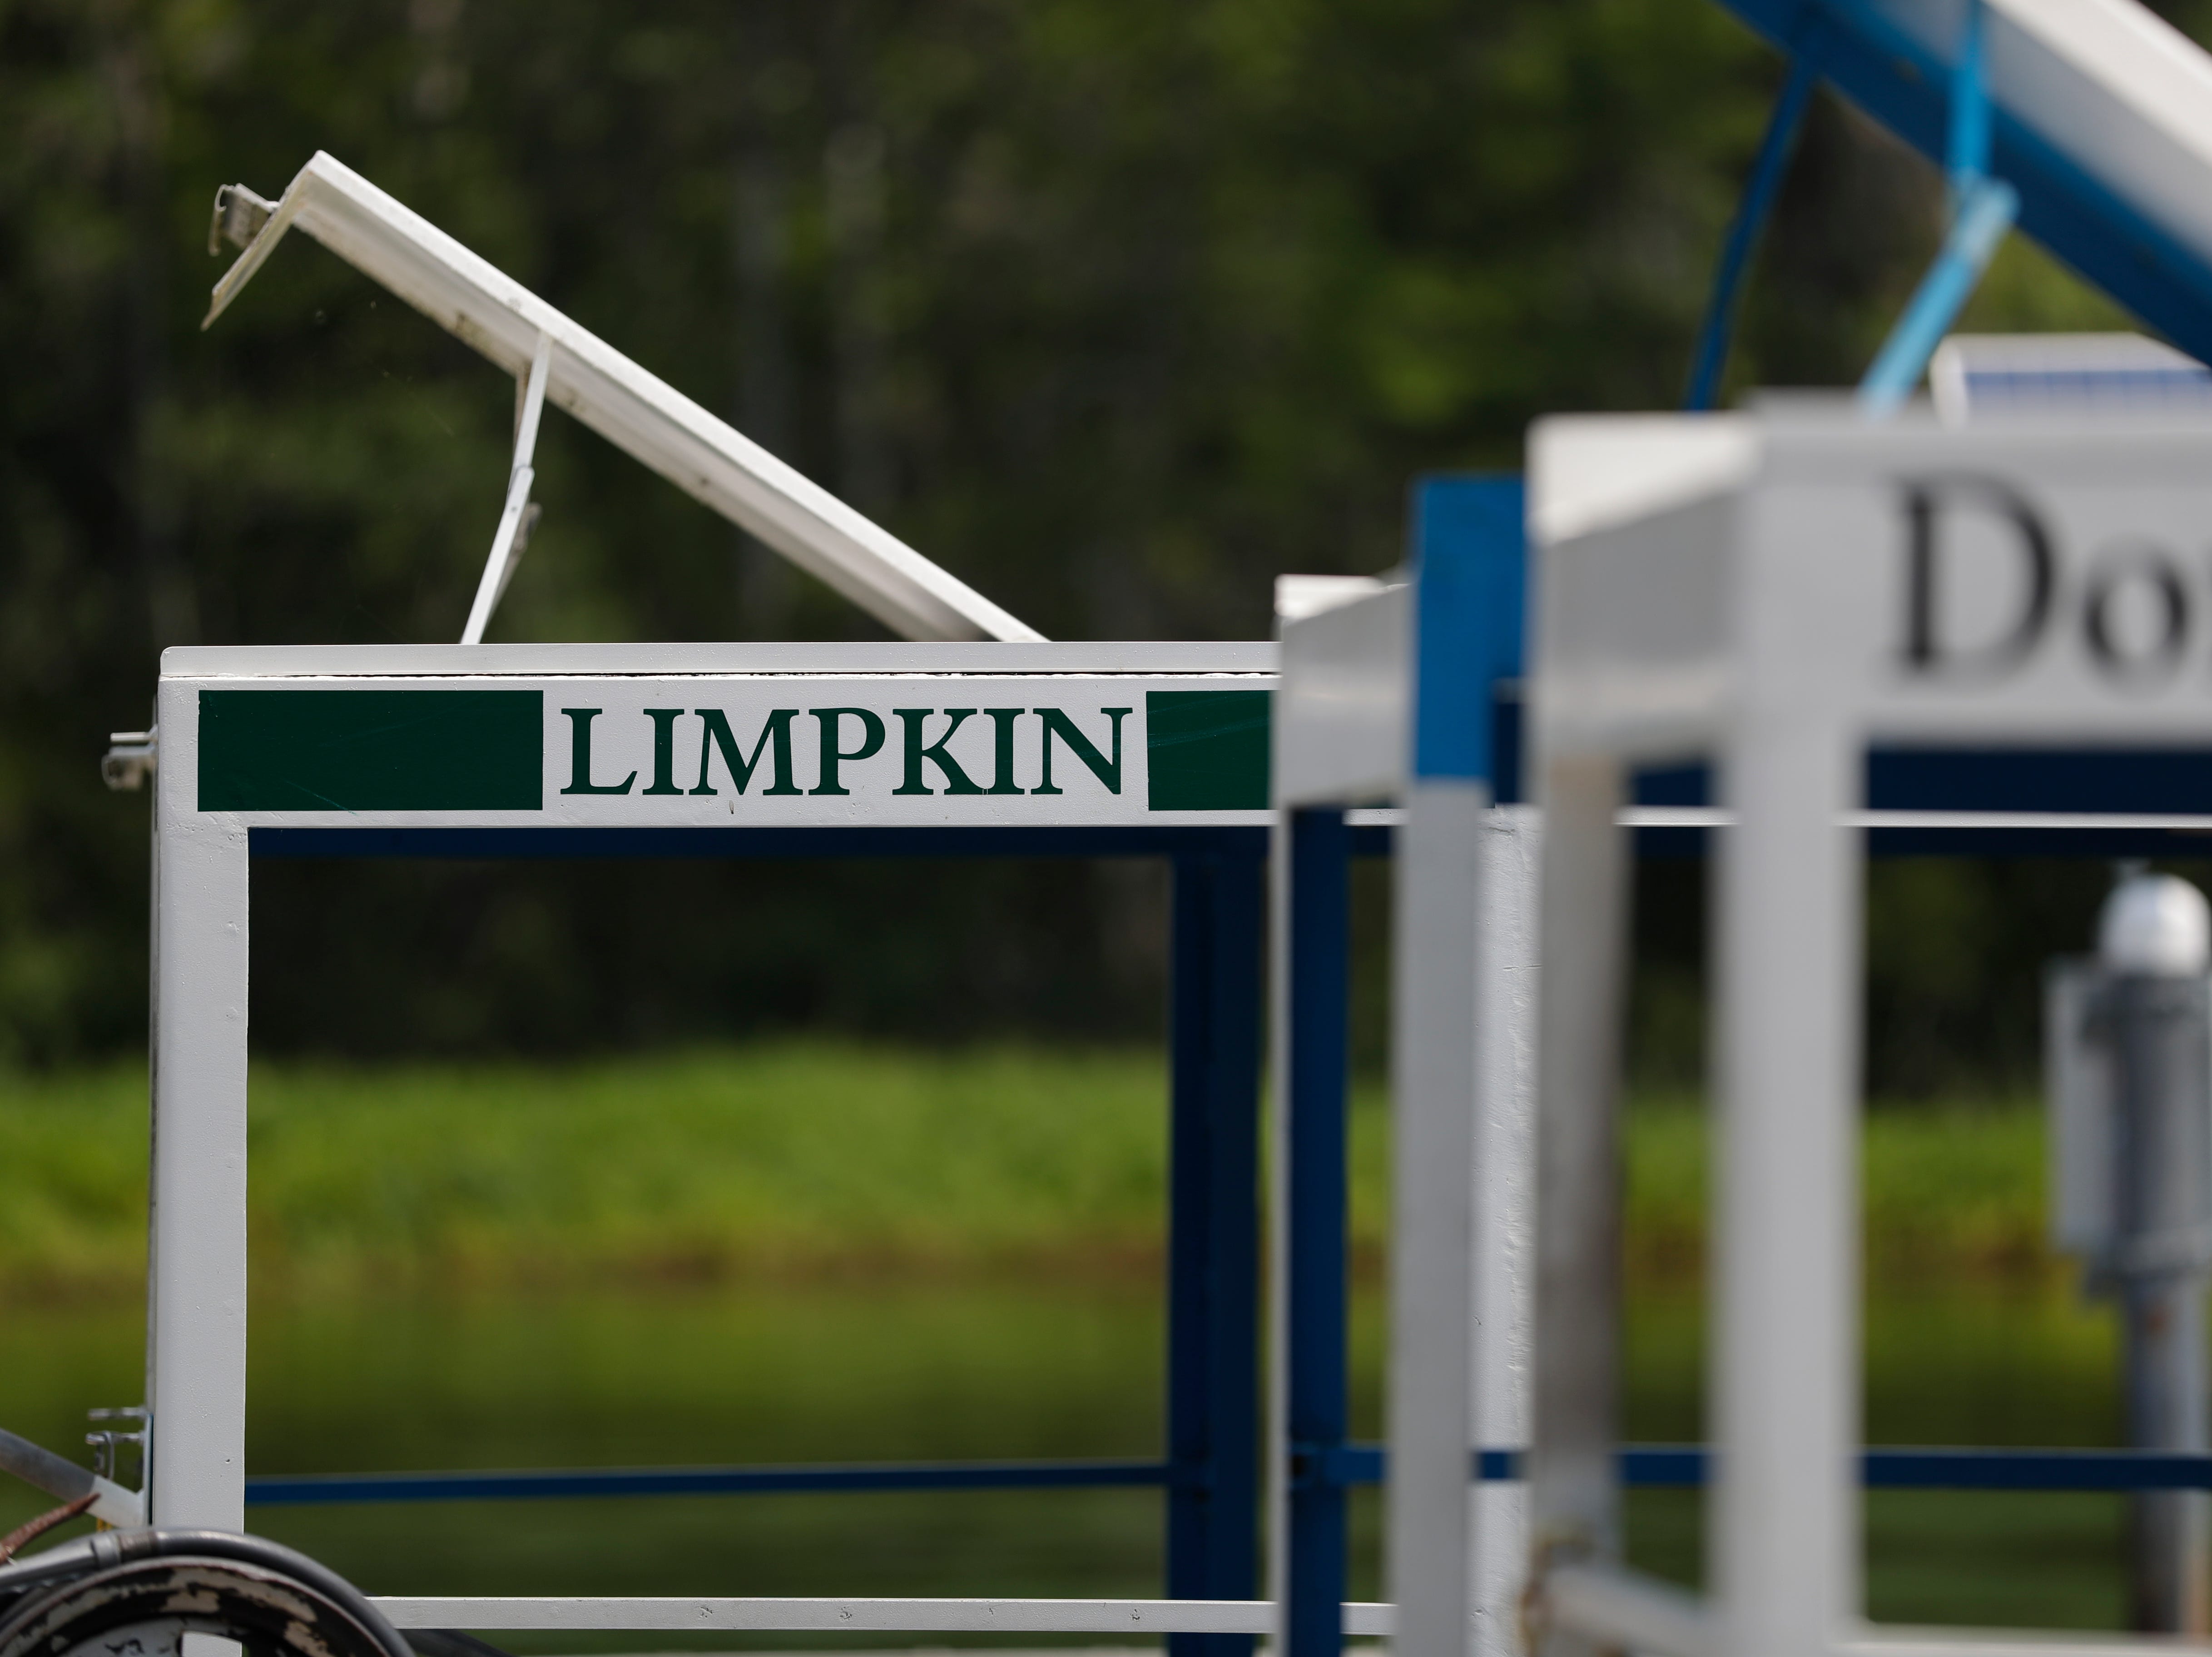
(813, 1616)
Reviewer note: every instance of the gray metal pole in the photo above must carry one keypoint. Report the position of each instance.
(2157, 1013)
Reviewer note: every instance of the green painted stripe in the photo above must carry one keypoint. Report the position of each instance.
(1206, 750)
(372, 750)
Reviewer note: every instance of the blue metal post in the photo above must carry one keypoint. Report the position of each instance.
(1319, 947)
(1213, 1241)
(1470, 550)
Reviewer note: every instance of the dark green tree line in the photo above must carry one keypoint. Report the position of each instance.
(1115, 308)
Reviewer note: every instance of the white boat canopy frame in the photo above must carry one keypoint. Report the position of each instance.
(632, 409)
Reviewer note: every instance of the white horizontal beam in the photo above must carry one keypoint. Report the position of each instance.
(1709, 816)
(2008, 1643)
(636, 412)
(1621, 1608)
(1982, 822)
(1361, 1621)
(837, 660)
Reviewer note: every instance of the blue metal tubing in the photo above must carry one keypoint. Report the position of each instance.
(1759, 192)
(1213, 1241)
(1986, 211)
(314, 1490)
(1684, 1466)
(1319, 948)
(1966, 149)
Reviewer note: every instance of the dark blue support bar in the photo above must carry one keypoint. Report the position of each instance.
(527, 841)
(1759, 192)
(2037, 1470)
(1319, 952)
(1683, 1466)
(316, 1490)
(1648, 1465)
(1213, 1241)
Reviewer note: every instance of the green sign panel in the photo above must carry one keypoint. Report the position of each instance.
(371, 750)
(639, 750)
(1207, 750)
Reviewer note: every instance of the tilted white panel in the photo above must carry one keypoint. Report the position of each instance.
(636, 410)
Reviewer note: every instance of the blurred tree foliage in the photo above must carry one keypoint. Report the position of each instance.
(1117, 307)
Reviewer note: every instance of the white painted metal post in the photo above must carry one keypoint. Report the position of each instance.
(1574, 1493)
(1429, 1494)
(1338, 736)
(1784, 1518)
(1465, 1176)
(1505, 1023)
(196, 1353)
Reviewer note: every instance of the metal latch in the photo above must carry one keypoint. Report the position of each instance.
(111, 1444)
(130, 758)
(238, 216)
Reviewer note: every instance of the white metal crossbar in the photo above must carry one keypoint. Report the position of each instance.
(1949, 1642)
(1628, 1610)
(2110, 822)
(1361, 1620)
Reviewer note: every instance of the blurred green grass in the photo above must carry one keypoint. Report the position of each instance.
(1953, 1189)
(797, 1158)
(805, 1251)
(784, 1158)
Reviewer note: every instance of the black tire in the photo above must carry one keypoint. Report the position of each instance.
(272, 1601)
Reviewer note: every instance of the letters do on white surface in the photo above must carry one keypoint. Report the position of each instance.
(2021, 581)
